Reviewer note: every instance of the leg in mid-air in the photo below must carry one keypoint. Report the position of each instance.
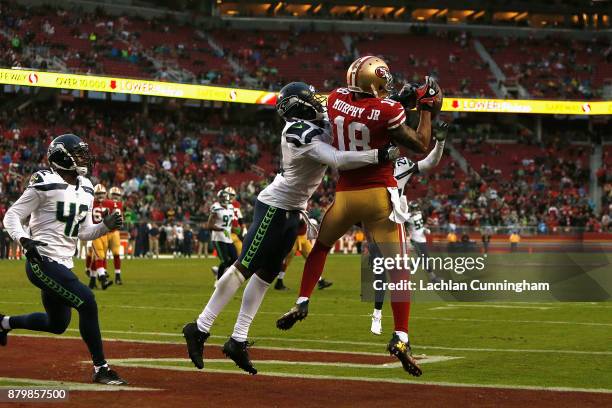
(61, 290)
(379, 295)
(260, 247)
(372, 207)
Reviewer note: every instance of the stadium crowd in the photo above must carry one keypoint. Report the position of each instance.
(165, 49)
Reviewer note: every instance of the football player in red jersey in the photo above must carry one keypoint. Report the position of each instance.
(362, 117)
(96, 257)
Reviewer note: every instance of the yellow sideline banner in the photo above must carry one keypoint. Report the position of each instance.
(222, 94)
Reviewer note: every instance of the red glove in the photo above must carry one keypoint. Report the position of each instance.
(429, 96)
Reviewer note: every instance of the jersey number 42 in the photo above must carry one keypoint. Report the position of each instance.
(72, 218)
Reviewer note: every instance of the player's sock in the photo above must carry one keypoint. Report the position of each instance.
(313, 269)
(403, 336)
(100, 272)
(251, 301)
(227, 286)
(377, 313)
(117, 263)
(88, 262)
(281, 275)
(5, 323)
(401, 314)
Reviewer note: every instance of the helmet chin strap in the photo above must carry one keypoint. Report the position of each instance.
(81, 171)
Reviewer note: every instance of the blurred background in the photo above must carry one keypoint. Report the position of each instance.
(545, 177)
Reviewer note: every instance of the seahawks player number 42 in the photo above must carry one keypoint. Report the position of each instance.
(58, 203)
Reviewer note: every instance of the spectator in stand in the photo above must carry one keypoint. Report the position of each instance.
(188, 241)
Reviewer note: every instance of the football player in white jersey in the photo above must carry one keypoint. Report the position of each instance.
(220, 223)
(59, 204)
(306, 153)
(403, 171)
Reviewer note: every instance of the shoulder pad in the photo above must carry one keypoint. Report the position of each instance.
(216, 207)
(86, 185)
(301, 133)
(45, 180)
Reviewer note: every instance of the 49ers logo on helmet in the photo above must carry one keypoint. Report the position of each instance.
(381, 72)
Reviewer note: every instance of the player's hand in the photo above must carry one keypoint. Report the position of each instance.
(113, 220)
(407, 96)
(227, 234)
(440, 130)
(31, 251)
(388, 153)
(429, 96)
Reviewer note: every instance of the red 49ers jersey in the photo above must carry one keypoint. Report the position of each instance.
(363, 124)
(101, 207)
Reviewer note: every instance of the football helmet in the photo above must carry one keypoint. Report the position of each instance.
(370, 75)
(414, 206)
(298, 100)
(226, 195)
(69, 153)
(99, 192)
(115, 193)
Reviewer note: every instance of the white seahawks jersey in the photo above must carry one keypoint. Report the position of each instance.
(223, 217)
(416, 227)
(57, 211)
(300, 175)
(404, 169)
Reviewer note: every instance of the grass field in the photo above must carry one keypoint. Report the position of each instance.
(510, 344)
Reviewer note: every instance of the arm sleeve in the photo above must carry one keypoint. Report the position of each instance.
(432, 159)
(88, 231)
(326, 154)
(19, 211)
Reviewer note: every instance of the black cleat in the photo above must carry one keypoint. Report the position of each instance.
(3, 333)
(109, 377)
(118, 280)
(195, 340)
(324, 284)
(92, 283)
(280, 285)
(401, 350)
(297, 313)
(104, 282)
(237, 351)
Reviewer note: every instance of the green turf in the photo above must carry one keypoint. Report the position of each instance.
(528, 343)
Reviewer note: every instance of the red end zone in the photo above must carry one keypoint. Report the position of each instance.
(60, 359)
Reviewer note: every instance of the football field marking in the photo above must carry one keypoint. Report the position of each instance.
(322, 341)
(448, 307)
(72, 386)
(126, 363)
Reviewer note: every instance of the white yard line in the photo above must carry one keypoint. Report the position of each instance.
(371, 379)
(72, 386)
(344, 342)
(448, 307)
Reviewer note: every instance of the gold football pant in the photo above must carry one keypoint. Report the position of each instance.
(237, 242)
(301, 244)
(114, 242)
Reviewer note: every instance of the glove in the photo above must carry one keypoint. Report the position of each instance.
(429, 96)
(227, 234)
(31, 251)
(440, 130)
(113, 220)
(388, 153)
(406, 96)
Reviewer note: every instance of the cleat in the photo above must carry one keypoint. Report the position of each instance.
(104, 282)
(118, 280)
(3, 333)
(401, 350)
(324, 284)
(92, 283)
(297, 313)
(237, 351)
(109, 377)
(376, 327)
(195, 340)
(280, 285)
(215, 271)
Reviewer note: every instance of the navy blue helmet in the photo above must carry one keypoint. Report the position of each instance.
(69, 153)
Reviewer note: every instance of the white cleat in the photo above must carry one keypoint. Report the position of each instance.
(376, 324)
